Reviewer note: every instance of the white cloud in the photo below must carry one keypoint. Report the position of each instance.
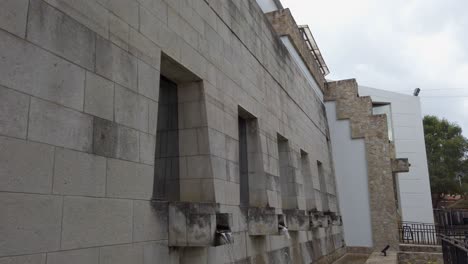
(396, 45)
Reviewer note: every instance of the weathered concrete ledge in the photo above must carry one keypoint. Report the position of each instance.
(197, 224)
(297, 220)
(262, 221)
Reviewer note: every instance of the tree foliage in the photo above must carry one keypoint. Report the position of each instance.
(447, 157)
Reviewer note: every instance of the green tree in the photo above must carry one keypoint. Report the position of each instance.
(446, 156)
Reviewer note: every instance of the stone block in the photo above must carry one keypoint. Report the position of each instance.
(152, 27)
(232, 192)
(188, 144)
(196, 224)
(131, 109)
(157, 7)
(147, 148)
(60, 126)
(150, 220)
(215, 115)
(155, 251)
(192, 115)
(89, 13)
(116, 64)
(219, 168)
(13, 16)
(89, 222)
(125, 9)
(99, 96)
(297, 220)
(203, 140)
(262, 221)
(148, 81)
(217, 143)
(29, 223)
(144, 49)
(59, 33)
(88, 256)
(119, 31)
(28, 259)
(114, 141)
(121, 254)
(78, 173)
(39, 73)
(197, 190)
(153, 117)
(200, 229)
(400, 165)
(13, 113)
(129, 180)
(25, 166)
(199, 167)
(232, 149)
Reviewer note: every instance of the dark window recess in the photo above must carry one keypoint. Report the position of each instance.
(323, 187)
(166, 178)
(243, 163)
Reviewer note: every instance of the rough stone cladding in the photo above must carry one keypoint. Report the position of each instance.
(420, 258)
(379, 154)
(79, 86)
(285, 25)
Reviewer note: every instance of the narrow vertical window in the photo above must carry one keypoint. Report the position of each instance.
(243, 163)
(166, 180)
(309, 191)
(323, 187)
(286, 183)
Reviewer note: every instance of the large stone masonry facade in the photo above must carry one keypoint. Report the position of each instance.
(129, 130)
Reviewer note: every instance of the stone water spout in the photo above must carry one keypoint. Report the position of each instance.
(283, 230)
(225, 237)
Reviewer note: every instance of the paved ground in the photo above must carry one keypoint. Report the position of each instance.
(377, 258)
(351, 258)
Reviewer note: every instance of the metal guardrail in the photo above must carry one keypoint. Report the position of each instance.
(419, 233)
(455, 251)
(429, 234)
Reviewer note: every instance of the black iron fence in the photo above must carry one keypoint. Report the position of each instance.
(419, 233)
(429, 234)
(455, 251)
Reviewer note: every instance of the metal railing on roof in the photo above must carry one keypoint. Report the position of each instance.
(313, 48)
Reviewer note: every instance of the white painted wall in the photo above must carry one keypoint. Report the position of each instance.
(414, 186)
(302, 66)
(267, 5)
(349, 157)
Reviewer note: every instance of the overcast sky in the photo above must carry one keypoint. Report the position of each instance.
(396, 45)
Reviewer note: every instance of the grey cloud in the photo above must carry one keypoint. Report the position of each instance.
(396, 45)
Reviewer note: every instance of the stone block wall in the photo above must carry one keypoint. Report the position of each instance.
(79, 93)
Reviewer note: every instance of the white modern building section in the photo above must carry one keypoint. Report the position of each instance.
(408, 135)
(349, 157)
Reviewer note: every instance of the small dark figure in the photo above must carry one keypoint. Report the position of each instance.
(384, 251)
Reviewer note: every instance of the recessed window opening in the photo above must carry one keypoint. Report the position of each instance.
(243, 162)
(308, 182)
(166, 182)
(287, 181)
(252, 183)
(181, 121)
(323, 187)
